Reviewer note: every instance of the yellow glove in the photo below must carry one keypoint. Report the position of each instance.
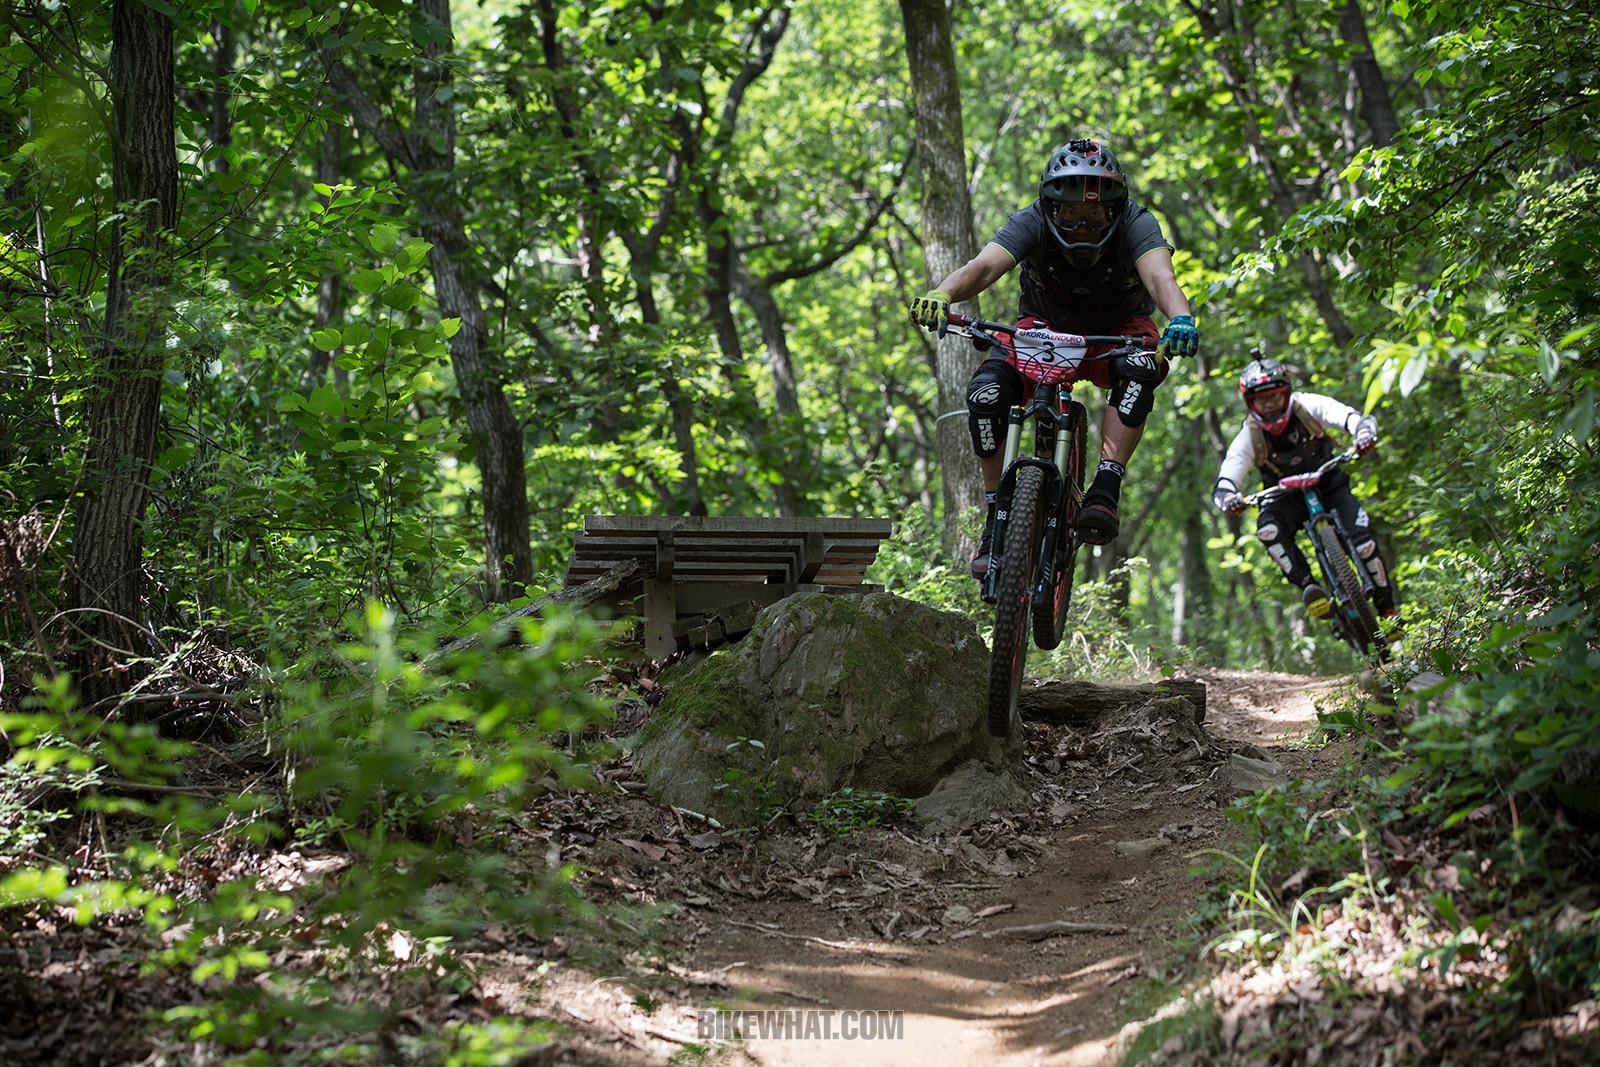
(931, 310)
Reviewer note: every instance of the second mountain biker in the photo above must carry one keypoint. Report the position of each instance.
(1093, 262)
(1286, 432)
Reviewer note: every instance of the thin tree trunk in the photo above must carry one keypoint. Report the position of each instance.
(107, 570)
(1283, 197)
(329, 294)
(427, 157)
(948, 239)
(1377, 107)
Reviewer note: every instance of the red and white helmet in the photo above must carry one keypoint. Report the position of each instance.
(1265, 388)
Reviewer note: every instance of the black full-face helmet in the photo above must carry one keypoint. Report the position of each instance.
(1083, 194)
(1265, 388)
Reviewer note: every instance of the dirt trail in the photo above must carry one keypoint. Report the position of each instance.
(893, 923)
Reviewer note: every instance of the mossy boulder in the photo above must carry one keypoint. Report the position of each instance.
(869, 691)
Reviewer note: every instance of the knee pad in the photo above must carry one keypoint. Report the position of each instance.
(1280, 556)
(1368, 551)
(1133, 399)
(990, 394)
(1268, 532)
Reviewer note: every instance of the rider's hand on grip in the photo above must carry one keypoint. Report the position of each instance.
(930, 310)
(1233, 504)
(1365, 442)
(1180, 338)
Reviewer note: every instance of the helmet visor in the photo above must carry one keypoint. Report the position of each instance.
(1269, 404)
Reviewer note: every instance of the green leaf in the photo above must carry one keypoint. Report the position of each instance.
(402, 297)
(327, 340)
(326, 401)
(1549, 363)
(384, 238)
(1415, 369)
(367, 281)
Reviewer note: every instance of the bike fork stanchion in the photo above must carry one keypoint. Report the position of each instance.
(1002, 502)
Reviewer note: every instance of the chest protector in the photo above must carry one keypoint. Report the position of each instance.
(1303, 446)
(1093, 299)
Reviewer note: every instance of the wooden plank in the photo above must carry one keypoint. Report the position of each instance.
(660, 603)
(736, 525)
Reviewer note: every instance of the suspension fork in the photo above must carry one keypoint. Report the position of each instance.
(1048, 410)
(1062, 429)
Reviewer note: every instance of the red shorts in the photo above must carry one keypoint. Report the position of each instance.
(1098, 371)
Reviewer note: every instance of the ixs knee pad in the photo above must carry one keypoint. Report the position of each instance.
(1293, 569)
(1134, 378)
(993, 390)
(1368, 551)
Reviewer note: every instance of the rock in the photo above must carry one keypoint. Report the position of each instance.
(1253, 775)
(1142, 847)
(968, 796)
(867, 691)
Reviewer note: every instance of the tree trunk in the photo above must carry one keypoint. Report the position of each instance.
(427, 158)
(948, 240)
(330, 302)
(1284, 198)
(1074, 703)
(107, 569)
(1377, 108)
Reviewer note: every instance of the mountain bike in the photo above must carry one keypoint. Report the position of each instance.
(1034, 552)
(1345, 574)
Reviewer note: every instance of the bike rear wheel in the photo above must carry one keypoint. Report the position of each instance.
(1009, 653)
(1050, 614)
(1362, 632)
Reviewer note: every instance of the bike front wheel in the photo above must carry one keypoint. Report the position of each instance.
(1050, 613)
(1362, 632)
(1009, 653)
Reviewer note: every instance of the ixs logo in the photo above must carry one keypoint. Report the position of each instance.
(811, 1024)
(1130, 397)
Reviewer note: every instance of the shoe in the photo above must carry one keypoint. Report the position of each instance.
(1097, 522)
(1315, 599)
(1389, 622)
(980, 558)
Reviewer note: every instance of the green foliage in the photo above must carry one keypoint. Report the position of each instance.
(400, 758)
(849, 810)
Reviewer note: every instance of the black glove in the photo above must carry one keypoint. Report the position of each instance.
(1232, 503)
(1365, 442)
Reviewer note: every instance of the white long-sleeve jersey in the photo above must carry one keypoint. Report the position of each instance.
(1315, 412)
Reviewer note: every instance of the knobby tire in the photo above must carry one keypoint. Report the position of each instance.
(1009, 654)
(1050, 614)
(1362, 632)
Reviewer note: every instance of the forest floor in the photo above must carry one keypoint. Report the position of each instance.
(1054, 935)
(909, 949)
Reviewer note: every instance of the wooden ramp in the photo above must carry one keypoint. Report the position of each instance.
(712, 576)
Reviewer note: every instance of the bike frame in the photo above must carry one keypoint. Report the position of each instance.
(1321, 516)
(1318, 516)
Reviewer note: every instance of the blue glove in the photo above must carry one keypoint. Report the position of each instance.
(1181, 337)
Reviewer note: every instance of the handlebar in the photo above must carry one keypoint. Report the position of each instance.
(980, 329)
(1295, 482)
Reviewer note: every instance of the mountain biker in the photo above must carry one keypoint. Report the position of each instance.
(1285, 433)
(1093, 262)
